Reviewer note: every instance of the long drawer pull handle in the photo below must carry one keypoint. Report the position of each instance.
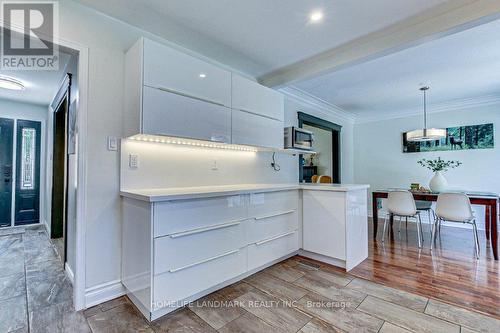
(274, 215)
(214, 227)
(204, 261)
(187, 95)
(275, 238)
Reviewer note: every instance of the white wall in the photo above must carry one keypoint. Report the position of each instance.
(26, 111)
(380, 162)
(163, 165)
(292, 106)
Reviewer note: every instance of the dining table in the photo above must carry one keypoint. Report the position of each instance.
(486, 199)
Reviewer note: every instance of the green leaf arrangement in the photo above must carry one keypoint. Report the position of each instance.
(439, 164)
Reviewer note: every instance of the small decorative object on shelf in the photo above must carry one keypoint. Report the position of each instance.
(414, 186)
(439, 166)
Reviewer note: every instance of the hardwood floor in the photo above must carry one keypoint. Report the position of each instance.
(449, 273)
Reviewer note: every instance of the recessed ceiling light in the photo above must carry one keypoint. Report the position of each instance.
(203, 75)
(316, 16)
(7, 82)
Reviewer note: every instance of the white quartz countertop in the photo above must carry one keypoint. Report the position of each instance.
(177, 193)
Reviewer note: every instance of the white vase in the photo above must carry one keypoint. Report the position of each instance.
(438, 182)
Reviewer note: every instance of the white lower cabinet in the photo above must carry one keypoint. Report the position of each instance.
(197, 245)
(334, 226)
(267, 250)
(175, 252)
(172, 287)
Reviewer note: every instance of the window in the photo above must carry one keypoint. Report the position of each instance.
(28, 146)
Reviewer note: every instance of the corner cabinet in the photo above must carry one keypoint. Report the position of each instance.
(168, 92)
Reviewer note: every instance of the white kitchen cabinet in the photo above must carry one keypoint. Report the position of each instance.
(170, 69)
(255, 130)
(172, 288)
(180, 250)
(168, 92)
(186, 117)
(324, 232)
(178, 216)
(171, 93)
(249, 96)
(273, 248)
(335, 226)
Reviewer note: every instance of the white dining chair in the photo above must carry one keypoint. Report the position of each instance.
(400, 203)
(455, 207)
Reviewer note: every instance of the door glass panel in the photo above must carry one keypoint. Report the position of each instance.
(28, 159)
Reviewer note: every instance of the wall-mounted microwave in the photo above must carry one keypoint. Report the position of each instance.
(298, 138)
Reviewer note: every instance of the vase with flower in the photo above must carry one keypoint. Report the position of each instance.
(439, 166)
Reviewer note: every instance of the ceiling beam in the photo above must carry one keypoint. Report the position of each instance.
(448, 18)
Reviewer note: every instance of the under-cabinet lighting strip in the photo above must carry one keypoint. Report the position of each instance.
(190, 142)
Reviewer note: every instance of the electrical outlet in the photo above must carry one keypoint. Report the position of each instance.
(214, 165)
(133, 161)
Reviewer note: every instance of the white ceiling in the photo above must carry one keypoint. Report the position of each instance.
(41, 86)
(258, 36)
(462, 66)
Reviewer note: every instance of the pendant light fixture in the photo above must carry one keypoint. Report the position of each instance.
(426, 134)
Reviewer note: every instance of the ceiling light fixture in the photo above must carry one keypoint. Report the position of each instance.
(426, 134)
(203, 75)
(10, 83)
(316, 16)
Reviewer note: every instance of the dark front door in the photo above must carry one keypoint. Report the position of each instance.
(6, 151)
(27, 207)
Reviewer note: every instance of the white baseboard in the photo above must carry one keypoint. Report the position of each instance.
(69, 273)
(103, 293)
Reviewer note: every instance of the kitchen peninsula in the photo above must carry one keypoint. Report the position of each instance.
(182, 243)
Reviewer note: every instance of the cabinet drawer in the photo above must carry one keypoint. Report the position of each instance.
(271, 203)
(184, 215)
(172, 253)
(167, 68)
(265, 227)
(255, 130)
(166, 113)
(252, 97)
(172, 287)
(265, 251)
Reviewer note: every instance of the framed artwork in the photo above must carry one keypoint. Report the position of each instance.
(457, 138)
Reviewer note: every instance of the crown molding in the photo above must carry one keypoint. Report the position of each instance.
(318, 104)
(453, 105)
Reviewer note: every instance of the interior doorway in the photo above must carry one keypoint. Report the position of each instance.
(326, 144)
(59, 203)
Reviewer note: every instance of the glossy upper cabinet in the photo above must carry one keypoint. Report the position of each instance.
(255, 130)
(171, 93)
(176, 115)
(169, 69)
(252, 97)
(168, 92)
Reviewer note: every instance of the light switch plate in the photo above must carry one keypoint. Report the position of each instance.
(133, 161)
(112, 143)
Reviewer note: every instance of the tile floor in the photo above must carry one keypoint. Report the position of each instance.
(296, 295)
